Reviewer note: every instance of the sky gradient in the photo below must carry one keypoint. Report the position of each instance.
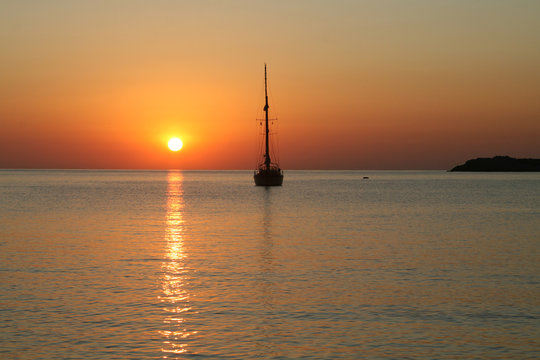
(416, 84)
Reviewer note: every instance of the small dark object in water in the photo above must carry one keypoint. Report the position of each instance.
(365, 177)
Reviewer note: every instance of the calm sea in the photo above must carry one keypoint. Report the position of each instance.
(150, 264)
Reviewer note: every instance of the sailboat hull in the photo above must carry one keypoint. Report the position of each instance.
(268, 178)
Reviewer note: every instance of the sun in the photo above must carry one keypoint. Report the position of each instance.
(175, 144)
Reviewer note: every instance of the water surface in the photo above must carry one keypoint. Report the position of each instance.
(150, 264)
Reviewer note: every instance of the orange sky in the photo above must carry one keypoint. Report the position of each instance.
(355, 84)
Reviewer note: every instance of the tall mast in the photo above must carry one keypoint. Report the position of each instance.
(267, 154)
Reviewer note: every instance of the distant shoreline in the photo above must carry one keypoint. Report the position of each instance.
(499, 164)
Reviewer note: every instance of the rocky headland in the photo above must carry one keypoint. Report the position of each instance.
(499, 163)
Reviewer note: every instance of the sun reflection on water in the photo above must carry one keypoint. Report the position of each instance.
(175, 275)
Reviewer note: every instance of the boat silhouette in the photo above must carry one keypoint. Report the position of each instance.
(268, 173)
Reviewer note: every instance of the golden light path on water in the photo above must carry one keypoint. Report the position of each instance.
(175, 297)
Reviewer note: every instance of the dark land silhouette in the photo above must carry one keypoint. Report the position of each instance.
(499, 163)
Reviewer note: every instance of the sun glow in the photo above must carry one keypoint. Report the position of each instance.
(175, 144)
